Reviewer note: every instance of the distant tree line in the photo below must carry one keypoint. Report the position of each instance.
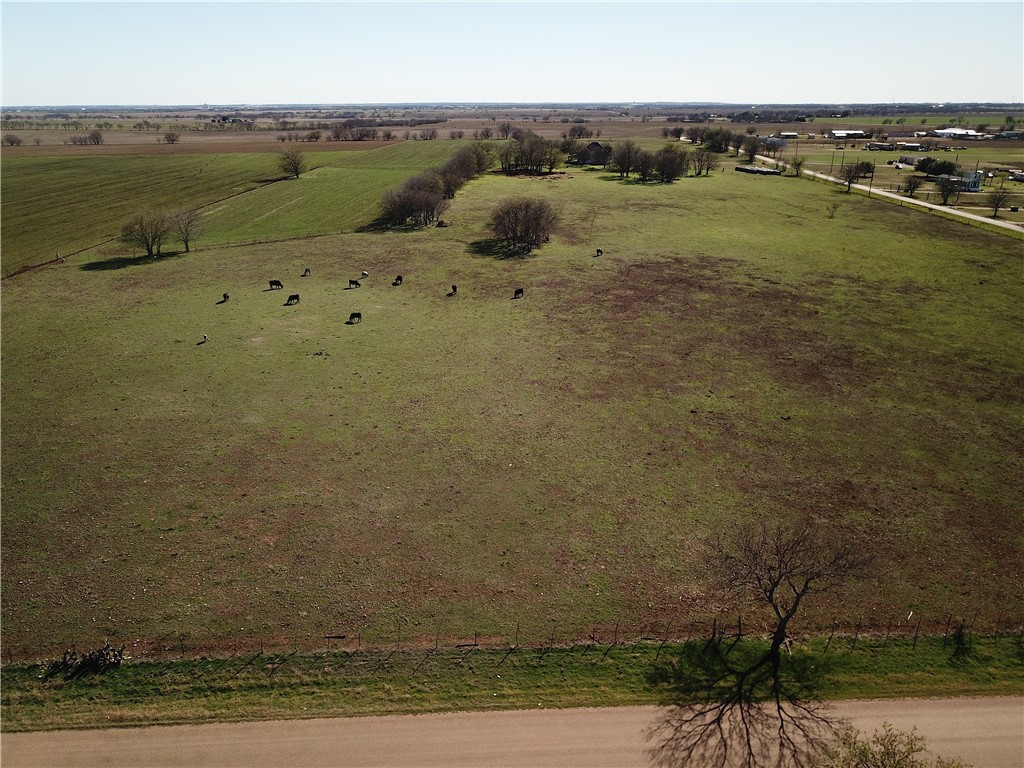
(422, 199)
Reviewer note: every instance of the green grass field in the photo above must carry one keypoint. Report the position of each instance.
(335, 682)
(476, 463)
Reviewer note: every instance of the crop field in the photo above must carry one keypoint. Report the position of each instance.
(470, 464)
(95, 195)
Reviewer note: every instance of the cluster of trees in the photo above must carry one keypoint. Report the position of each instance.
(523, 223)
(423, 198)
(665, 165)
(933, 166)
(529, 153)
(93, 137)
(149, 230)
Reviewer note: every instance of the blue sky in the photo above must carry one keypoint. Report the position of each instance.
(386, 52)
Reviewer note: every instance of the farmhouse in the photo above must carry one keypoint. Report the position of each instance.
(967, 182)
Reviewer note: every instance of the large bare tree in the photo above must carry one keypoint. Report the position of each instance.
(293, 162)
(187, 224)
(146, 229)
(997, 199)
(754, 704)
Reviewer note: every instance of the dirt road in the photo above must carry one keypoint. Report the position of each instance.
(985, 732)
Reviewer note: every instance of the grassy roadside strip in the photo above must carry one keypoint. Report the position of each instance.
(340, 683)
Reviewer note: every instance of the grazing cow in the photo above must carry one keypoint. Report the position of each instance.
(599, 252)
(518, 293)
(226, 297)
(365, 274)
(307, 273)
(275, 284)
(398, 280)
(455, 290)
(355, 317)
(353, 283)
(293, 299)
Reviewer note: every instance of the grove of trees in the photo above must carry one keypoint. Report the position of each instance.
(523, 223)
(421, 200)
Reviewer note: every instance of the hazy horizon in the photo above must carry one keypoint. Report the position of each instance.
(173, 53)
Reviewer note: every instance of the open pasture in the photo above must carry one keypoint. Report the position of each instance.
(466, 464)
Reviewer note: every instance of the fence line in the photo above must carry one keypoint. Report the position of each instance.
(226, 652)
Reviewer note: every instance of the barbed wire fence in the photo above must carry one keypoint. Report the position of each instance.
(351, 654)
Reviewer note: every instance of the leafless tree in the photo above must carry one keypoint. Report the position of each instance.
(171, 137)
(751, 146)
(671, 162)
(146, 229)
(853, 172)
(293, 162)
(624, 157)
(997, 199)
(754, 705)
(704, 161)
(947, 186)
(187, 224)
(523, 223)
(646, 163)
(911, 184)
(797, 164)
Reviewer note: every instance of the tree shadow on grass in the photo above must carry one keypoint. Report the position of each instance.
(381, 224)
(495, 248)
(120, 262)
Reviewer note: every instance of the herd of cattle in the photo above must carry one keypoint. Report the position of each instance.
(354, 317)
(357, 317)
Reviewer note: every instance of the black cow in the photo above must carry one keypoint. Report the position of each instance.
(307, 273)
(274, 284)
(518, 293)
(355, 317)
(455, 290)
(599, 252)
(353, 283)
(398, 280)
(226, 297)
(293, 299)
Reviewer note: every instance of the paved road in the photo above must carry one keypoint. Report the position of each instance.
(985, 732)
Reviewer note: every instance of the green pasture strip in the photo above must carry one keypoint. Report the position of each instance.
(281, 684)
(339, 197)
(475, 462)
